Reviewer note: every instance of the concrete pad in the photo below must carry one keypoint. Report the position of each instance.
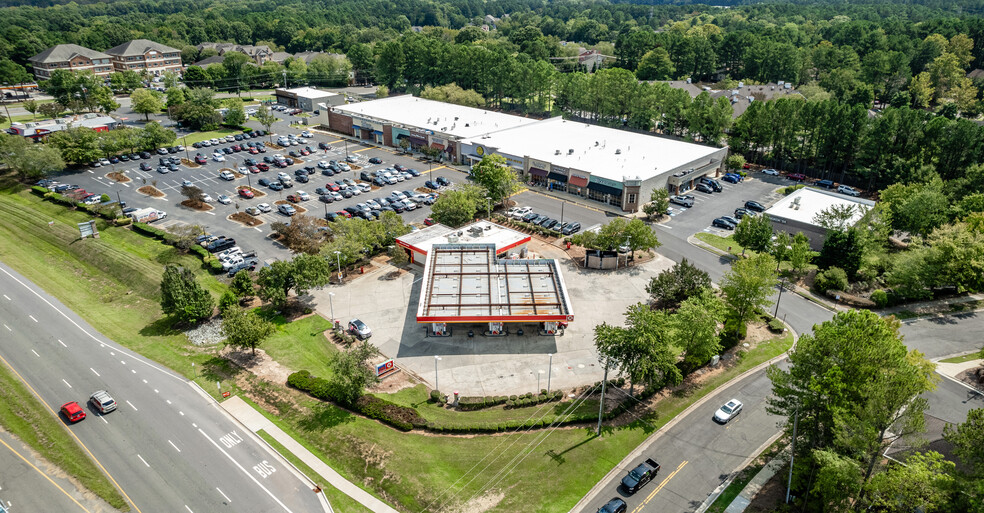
(386, 299)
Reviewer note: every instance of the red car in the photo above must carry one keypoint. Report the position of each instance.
(72, 411)
(333, 187)
(237, 148)
(253, 169)
(293, 198)
(282, 163)
(262, 166)
(246, 193)
(799, 177)
(305, 152)
(200, 159)
(344, 214)
(429, 221)
(254, 151)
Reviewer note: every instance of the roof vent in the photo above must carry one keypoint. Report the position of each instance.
(467, 125)
(556, 152)
(456, 118)
(596, 143)
(618, 151)
(570, 151)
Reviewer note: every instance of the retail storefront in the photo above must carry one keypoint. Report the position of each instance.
(557, 179)
(577, 183)
(368, 130)
(605, 191)
(418, 139)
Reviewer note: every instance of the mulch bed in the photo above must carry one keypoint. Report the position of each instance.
(119, 177)
(245, 219)
(256, 192)
(970, 377)
(151, 191)
(190, 164)
(199, 206)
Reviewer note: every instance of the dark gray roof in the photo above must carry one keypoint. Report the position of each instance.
(215, 59)
(139, 47)
(65, 53)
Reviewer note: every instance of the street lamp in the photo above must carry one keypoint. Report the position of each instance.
(338, 258)
(331, 305)
(185, 139)
(549, 372)
(781, 282)
(436, 359)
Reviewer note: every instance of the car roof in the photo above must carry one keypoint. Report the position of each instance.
(72, 406)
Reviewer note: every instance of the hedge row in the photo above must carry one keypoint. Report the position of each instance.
(539, 230)
(212, 264)
(401, 417)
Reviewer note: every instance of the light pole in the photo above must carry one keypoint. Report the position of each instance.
(549, 372)
(488, 207)
(338, 258)
(185, 140)
(331, 305)
(562, 211)
(436, 359)
(781, 281)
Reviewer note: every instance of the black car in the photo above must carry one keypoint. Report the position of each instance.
(228, 151)
(238, 137)
(331, 216)
(293, 153)
(571, 228)
(443, 182)
(323, 146)
(325, 198)
(616, 505)
(328, 172)
(530, 217)
(827, 184)
(550, 224)
(723, 223)
(196, 145)
(220, 245)
(431, 185)
(754, 206)
(741, 212)
(703, 187)
(375, 160)
(145, 166)
(712, 183)
(145, 155)
(268, 159)
(413, 172)
(250, 162)
(264, 182)
(397, 206)
(303, 179)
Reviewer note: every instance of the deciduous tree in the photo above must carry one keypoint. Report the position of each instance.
(244, 328)
(352, 373)
(30, 161)
(748, 286)
(302, 234)
(454, 208)
(673, 286)
(496, 177)
(695, 328)
(183, 297)
(754, 233)
(299, 274)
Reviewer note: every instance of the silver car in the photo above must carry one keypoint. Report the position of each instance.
(102, 401)
(728, 411)
(359, 329)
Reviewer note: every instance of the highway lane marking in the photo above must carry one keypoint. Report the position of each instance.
(94, 372)
(133, 371)
(157, 391)
(103, 418)
(35, 353)
(131, 405)
(189, 509)
(43, 474)
(66, 382)
(62, 343)
(7, 298)
(168, 401)
(70, 432)
(181, 413)
(143, 460)
(175, 446)
(224, 495)
(32, 318)
(8, 327)
(233, 460)
(144, 380)
(660, 487)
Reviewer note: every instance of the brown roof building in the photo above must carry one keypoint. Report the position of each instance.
(72, 58)
(144, 54)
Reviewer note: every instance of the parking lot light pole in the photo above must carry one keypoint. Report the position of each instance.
(338, 257)
(331, 306)
(549, 372)
(781, 282)
(185, 139)
(436, 359)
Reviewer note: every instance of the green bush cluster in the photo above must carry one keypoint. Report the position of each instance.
(786, 191)
(435, 397)
(834, 278)
(40, 191)
(403, 418)
(477, 403)
(531, 399)
(511, 425)
(776, 326)
(880, 298)
(733, 333)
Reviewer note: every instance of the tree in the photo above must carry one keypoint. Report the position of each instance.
(32, 107)
(175, 96)
(800, 253)
(496, 177)
(844, 249)
(194, 194)
(235, 64)
(659, 203)
(452, 93)
(619, 232)
(748, 286)
(183, 297)
(655, 65)
(695, 326)
(352, 372)
(301, 273)
(780, 248)
(244, 328)
(925, 479)
(184, 235)
(382, 91)
(754, 233)
(198, 110)
(302, 234)
(79, 145)
(265, 117)
(51, 110)
(675, 285)
(641, 350)
(454, 208)
(236, 115)
(242, 285)
(154, 136)
(968, 440)
(30, 161)
(734, 162)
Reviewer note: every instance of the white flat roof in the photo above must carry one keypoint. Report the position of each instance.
(439, 117)
(604, 152)
(812, 202)
(480, 232)
(308, 92)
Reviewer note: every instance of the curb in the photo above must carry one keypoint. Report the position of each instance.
(644, 446)
(731, 477)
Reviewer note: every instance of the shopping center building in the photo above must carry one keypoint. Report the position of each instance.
(619, 168)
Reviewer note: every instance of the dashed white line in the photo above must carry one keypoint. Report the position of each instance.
(8, 327)
(66, 382)
(181, 413)
(189, 509)
(133, 371)
(103, 418)
(131, 405)
(144, 461)
(257, 229)
(122, 362)
(175, 446)
(156, 391)
(62, 343)
(168, 401)
(94, 372)
(210, 213)
(32, 318)
(224, 495)
(145, 381)
(35, 353)
(7, 298)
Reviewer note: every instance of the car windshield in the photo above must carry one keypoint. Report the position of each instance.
(359, 325)
(727, 409)
(636, 473)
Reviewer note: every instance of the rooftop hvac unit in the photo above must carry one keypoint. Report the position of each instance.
(570, 151)
(618, 151)
(596, 143)
(452, 239)
(456, 118)
(467, 125)
(556, 152)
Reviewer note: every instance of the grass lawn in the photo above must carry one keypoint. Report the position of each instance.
(338, 500)
(962, 359)
(414, 470)
(112, 282)
(724, 243)
(301, 345)
(22, 414)
(204, 136)
(259, 98)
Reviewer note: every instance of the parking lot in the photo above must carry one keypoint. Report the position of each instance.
(756, 187)
(206, 177)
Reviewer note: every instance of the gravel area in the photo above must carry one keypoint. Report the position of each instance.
(207, 334)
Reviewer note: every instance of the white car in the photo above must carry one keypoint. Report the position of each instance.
(303, 195)
(218, 158)
(364, 187)
(187, 183)
(213, 141)
(225, 175)
(306, 134)
(771, 172)
(207, 199)
(281, 176)
(225, 200)
(161, 214)
(352, 158)
(409, 204)
(847, 189)
(264, 207)
(230, 253)
(287, 210)
(729, 411)
(323, 164)
(243, 170)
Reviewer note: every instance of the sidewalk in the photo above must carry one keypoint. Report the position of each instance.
(254, 421)
(748, 493)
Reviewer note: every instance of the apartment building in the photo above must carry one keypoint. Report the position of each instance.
(258, 53)
(143, 54)
(72, 58)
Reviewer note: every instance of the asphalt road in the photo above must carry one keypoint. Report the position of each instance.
(26, 486)
(167, 446)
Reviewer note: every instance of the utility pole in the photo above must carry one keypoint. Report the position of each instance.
(601, 408)
(781, 281)
(792, 453)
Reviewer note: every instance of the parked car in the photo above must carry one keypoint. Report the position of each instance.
(199, 159)
(431, 185)
(287, 210)
(443, 182)
(754, 206)
(712, 183)
(102, 401)
(826, 184)
(571, 228)
(847, 189)
(799, 177)
(375, 160)
(276, 186)
(703, 187)
(741, 212)
(225, 200)
(616, 505)
(359, 329)
(226, 175)
(253, 211)
(72, 411)
(264, 207)
(771, 172)
(730, 410)
(722, 223)
(732, 177)
(684, 201)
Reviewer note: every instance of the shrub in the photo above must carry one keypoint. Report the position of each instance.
(40, 191)
(435, 396)
(228, 299)
(733, 333)
(542, 398)
(834, 278)
(215, 266)
(512, 397)
(776, 326)
(880, 298)
(401, 417)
